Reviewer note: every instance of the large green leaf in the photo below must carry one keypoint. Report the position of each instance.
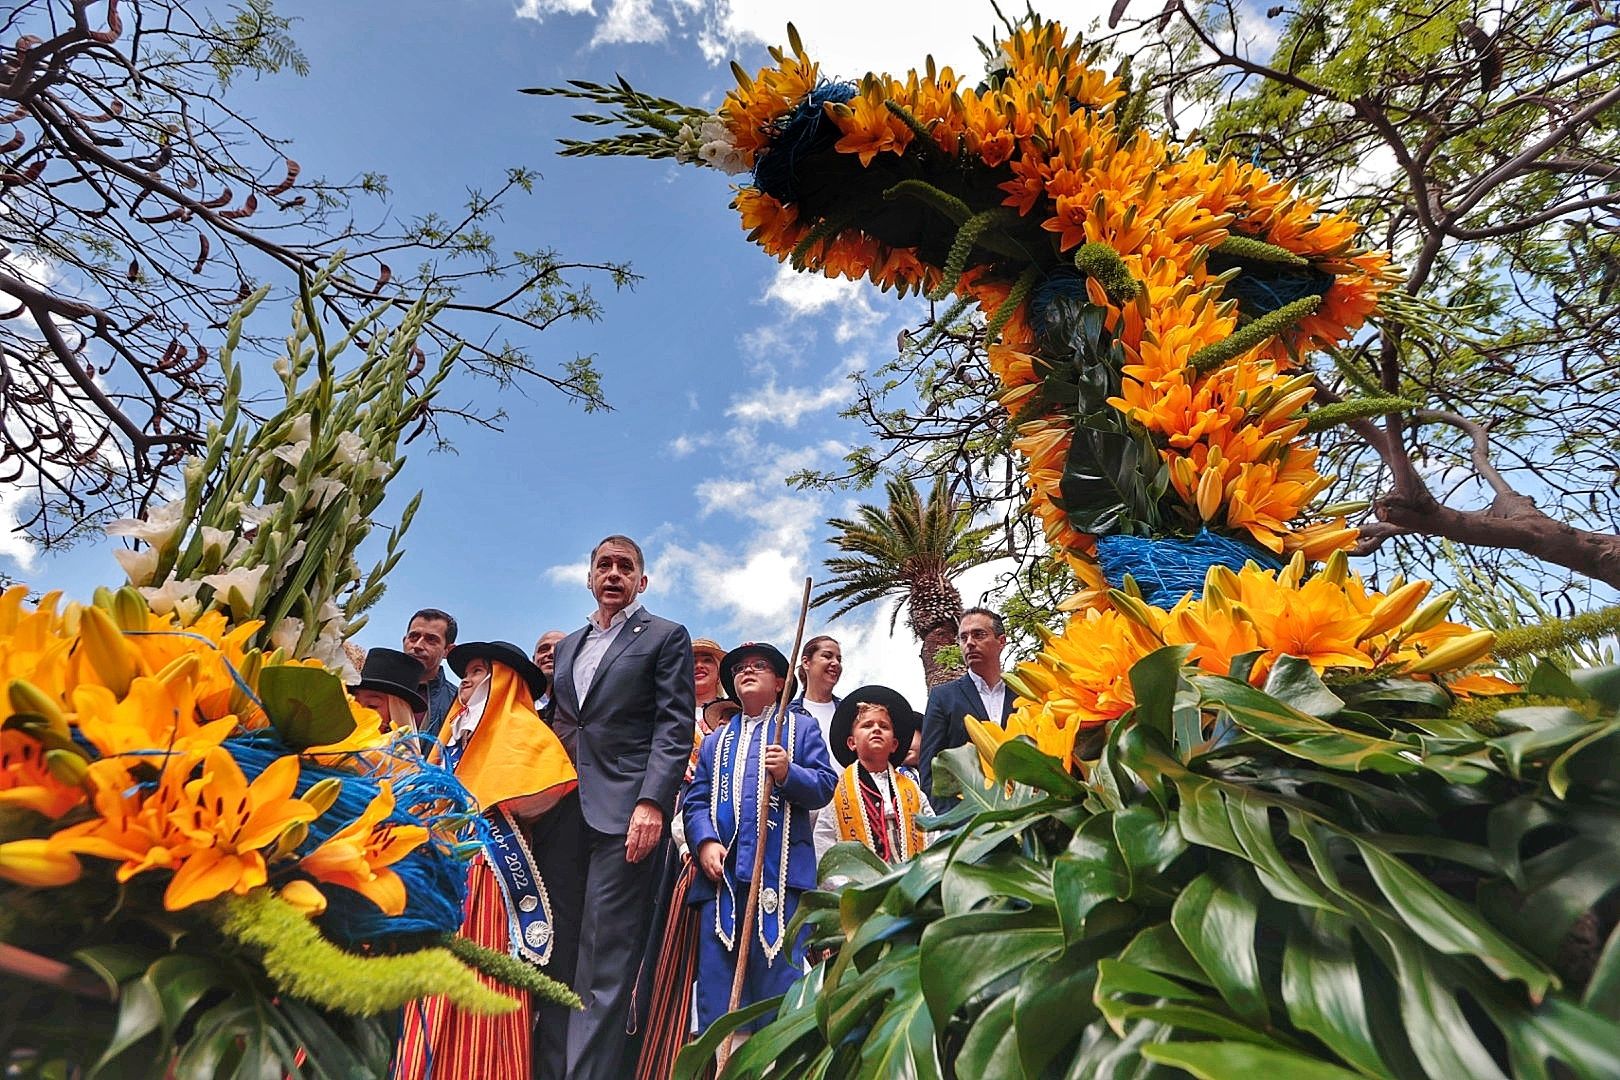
(1323, 992)
(964, 954)
(1154, 680)
(990, 1051)
(1226, 1060)
(1215, 917)
(307, 706)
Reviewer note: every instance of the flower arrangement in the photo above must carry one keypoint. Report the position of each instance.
(192, 806)
(1148, 305)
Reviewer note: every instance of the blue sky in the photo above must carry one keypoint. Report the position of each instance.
(725, 371)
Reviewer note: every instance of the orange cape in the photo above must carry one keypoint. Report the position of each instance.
(513, 753)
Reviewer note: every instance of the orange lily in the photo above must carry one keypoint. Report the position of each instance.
(358, 855)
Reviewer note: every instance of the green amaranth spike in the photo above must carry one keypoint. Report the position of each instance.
(917, 127)
(921, 190)
(1557, 633)
(1253, 333)
(1247, 247)
(510, 970)
(1103, 264)
(1342, 412)
(968, 235)
(1015, 299)
(303, 963)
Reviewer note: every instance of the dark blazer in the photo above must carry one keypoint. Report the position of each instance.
(942, 727)
(633, 737)
(811, 778)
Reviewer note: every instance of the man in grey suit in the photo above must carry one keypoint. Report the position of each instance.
(623, 707)
(981, 692)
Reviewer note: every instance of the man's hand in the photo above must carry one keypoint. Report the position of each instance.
(776, 763)
(712, 859)
(646, 828)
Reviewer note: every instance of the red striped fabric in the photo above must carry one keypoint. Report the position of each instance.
(669, 1012)
(442, 1042)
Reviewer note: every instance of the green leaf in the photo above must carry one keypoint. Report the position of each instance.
(1448, 924)
(140, 1013)
(1020, 761)
(1154, 680)
(307, 706)
(1602, 684)
(180, 981)
(1323, 992)
(1052, 1007)
(1215, 918)
(1090, 872)
(964, 954)
(1295, 683)
(1225, 1060)
(697, 1056)
(990, 1051)
(1550, 680)
(967, 885)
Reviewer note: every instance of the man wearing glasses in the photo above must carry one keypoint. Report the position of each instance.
(723, 808)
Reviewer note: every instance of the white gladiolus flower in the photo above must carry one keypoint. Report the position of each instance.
(350, 448)
(255, 515)
(140, 565)
(718, 150)
(286, 634)
(215, 539)
(160, 525)
(171, 595)
(247, 579)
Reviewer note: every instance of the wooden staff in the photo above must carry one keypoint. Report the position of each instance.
(747, 930)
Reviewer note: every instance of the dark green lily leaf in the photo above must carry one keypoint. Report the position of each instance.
(1090, 872)
(1052, 1007)
(307, 706)
(1215, 918)
(990, 1051)
(1601, 684)
(1323, 992)
(964, 954)
(1295, 683)
(698, 1055)
(1550, 680)
(966, 885)
(1370, 693)
(1020, 761)
(1224, 1060)
(1154, 680)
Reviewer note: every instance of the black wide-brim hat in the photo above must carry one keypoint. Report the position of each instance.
(499, 652)
(771, 653)
(901, 715)
(389, 671)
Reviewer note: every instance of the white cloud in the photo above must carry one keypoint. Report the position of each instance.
(629, 22)
(573, 573)
(770, 404)
(808, 294)
(539, 9)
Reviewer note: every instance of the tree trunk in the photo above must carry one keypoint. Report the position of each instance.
(1511, 521)
(941, 636)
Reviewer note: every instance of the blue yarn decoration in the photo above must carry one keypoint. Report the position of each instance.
(1262, 287)
(801, 133)
(1166, 568)
(1060, 285)
(435, 874)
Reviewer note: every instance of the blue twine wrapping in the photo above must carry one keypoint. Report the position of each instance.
(1166, 568)
(1060, 285)
(802, 132)
(435, 874)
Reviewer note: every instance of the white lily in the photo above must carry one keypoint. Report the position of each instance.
(160, 525)
(140, 564)
(171, 596)
(245, 579)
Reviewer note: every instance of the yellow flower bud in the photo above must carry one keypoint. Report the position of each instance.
(129, 609)
(304, 896)
(1134, 609)
(1337, 568)
(67, 766)
(1430, 614)
(30, 699)
(1395, 608)
(37, 863)
(1210, 490)
(114, 660)
(323, 794)
(1456, 653)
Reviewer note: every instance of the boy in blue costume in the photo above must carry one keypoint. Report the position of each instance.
(722, 826)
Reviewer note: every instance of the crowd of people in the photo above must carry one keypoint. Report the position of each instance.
(634, 781)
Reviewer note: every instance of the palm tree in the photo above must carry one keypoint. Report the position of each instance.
(912, 549)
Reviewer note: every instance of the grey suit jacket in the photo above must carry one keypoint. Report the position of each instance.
(632, 736)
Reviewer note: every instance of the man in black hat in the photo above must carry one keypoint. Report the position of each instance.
(624, 709)
(723, 808)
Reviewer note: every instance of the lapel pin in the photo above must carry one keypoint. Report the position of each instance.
(636, 629)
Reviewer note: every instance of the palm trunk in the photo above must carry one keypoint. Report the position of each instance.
(940, 637)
